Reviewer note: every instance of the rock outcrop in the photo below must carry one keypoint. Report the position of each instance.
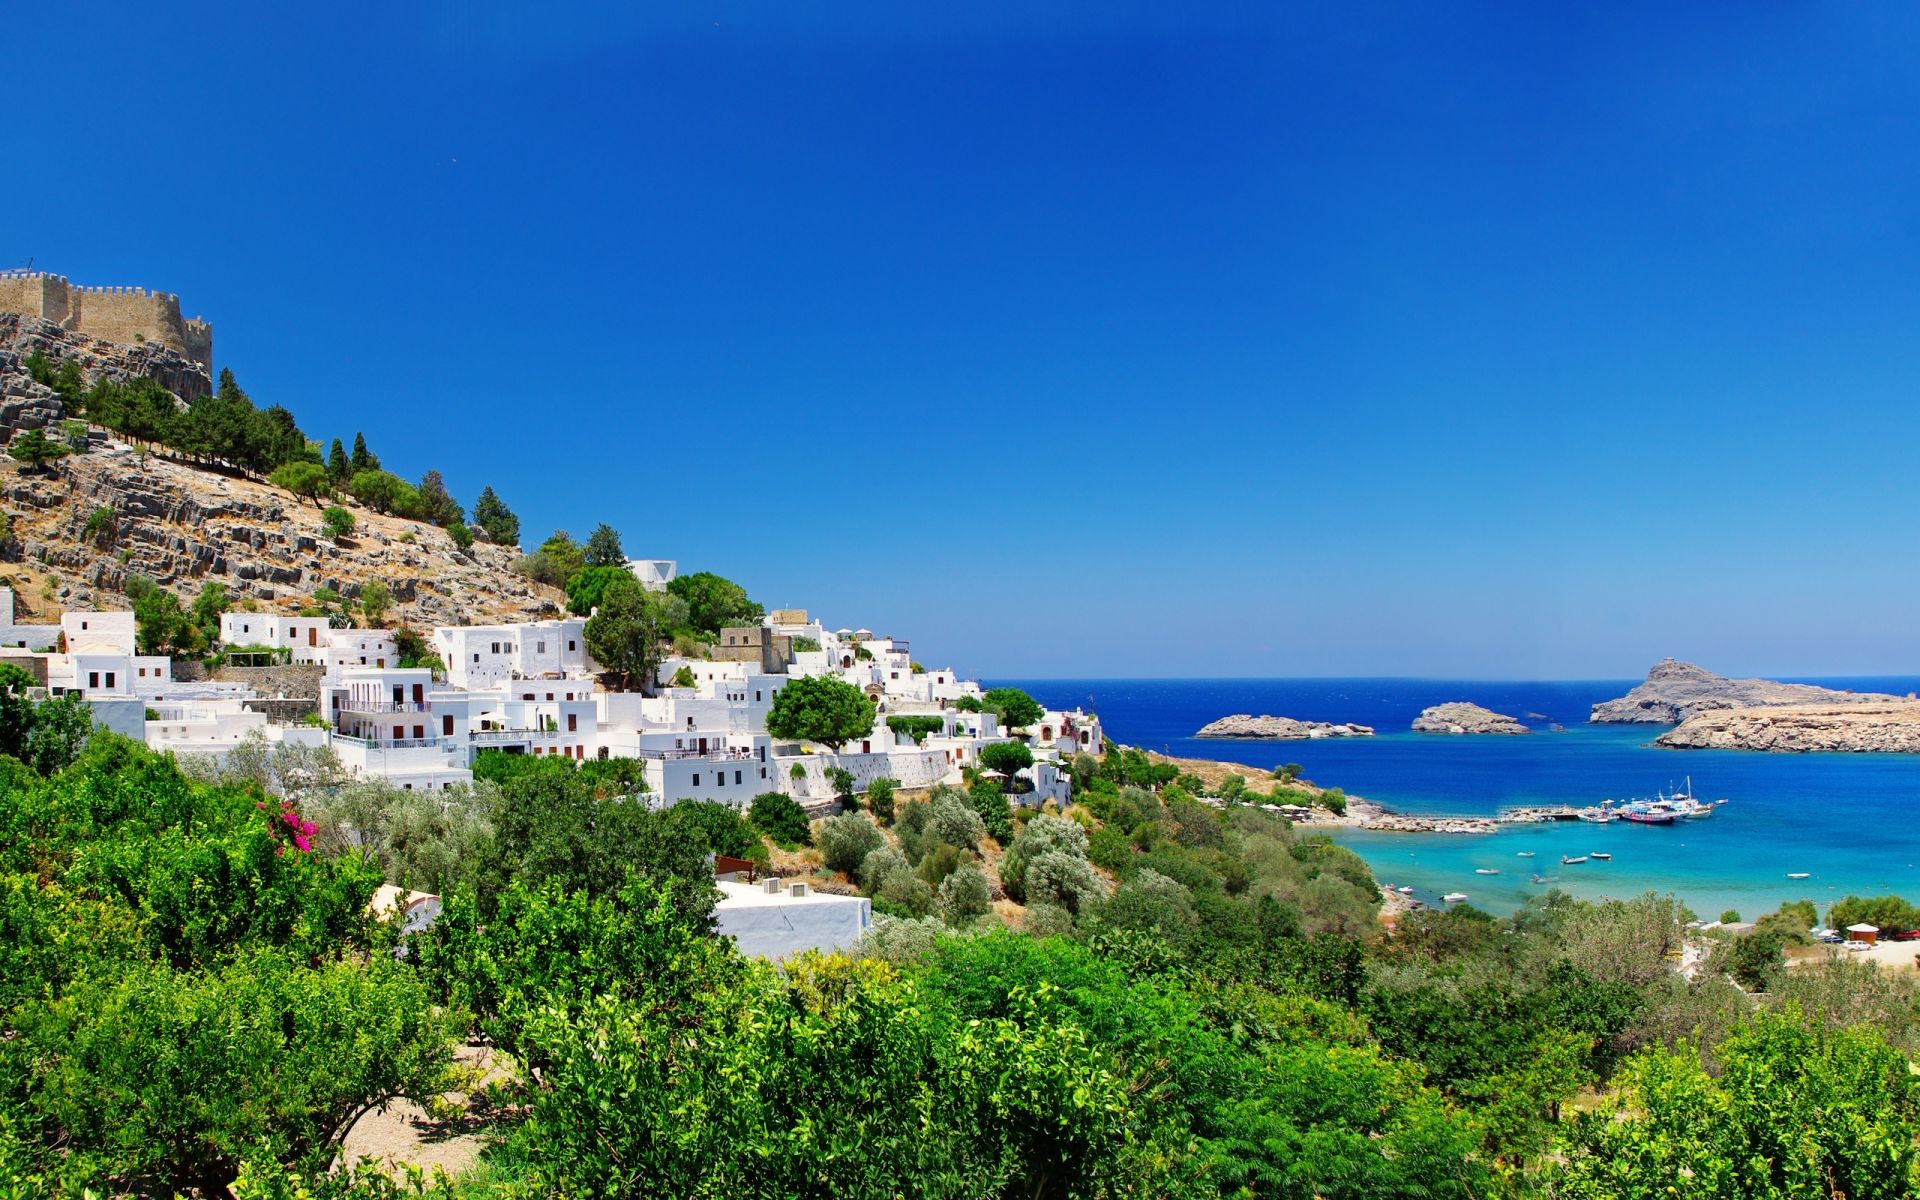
(1461, 717)
(1862, 726)
(1246, 725)
(182, 527)
(28, 404)
(1675, 691)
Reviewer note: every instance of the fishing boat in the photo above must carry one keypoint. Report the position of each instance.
(1485, 871)
(1596, 816)
(1799, 874)
(1454, 897)
(1647, 813)
(1574, 861)
(1602, 855)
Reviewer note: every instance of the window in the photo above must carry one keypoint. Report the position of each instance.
(570, 645)
(399, 732)
(496, 648)
(476, 656)
(573, 723)
(109, 678)
(736, 777)
(446, 725)
(93, 677)
(756, 697)
(549, 695)
(539, 647)
(696, 779)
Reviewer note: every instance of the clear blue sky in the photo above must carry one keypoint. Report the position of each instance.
(1425, 339)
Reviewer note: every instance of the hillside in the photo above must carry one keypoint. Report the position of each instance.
(182, 526)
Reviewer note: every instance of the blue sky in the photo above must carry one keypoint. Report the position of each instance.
(1120, 340)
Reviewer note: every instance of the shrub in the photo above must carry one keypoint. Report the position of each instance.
(846, 841)
(1060, 879)
(461, 535)
(1006, 757)
(951, 817)
(940, 861)
(336, 522)
(1045, 834)
(781, 818)
(842, 781)
(879, 865)
(965, 895)
(908, 893)
(880, 798)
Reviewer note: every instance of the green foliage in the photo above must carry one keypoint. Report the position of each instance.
(713, 602)
(102, 526)
(339, 466)
(989, 800)
(781, 818)
(950, 818)
(916, 728)
(585, 589)
(1044, 834)
(35, 449)
(1006, 757)
(491, 514)
(363, 459)
(1889, 914)
(802, 644)
(1795, 1110)
(821, 709)
(625, 634)
(375, 600)
(303, 479)
(880, 798)
(434, 503)
(968, 704)
(964, 894)
(846, 840)
(1730, 917)
(683, 678)
(603, 548)
(1754, 960)
(336, 522)
(461, 535)
(1016, 709)
(381, 491)
(726, 831)
(842, 781)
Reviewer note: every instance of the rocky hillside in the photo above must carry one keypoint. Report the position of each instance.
(1857, 727)
(1675, 691)
(182, 527)
(1246, 725)
(27, 404)
(1461, 717)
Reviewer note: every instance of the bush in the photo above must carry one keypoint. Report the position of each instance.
(951, 818)
(846, 841)
(842, 781)
(880, 798)
(336, 522)
(940, 861)
(908, 893)
(965, 895)
(1060, 879)
(990, 802)
(461, 535)
(1044, 834)
(1006, 757)
(879, 865)
(781, 818)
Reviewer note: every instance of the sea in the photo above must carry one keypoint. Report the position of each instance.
(1851, 822)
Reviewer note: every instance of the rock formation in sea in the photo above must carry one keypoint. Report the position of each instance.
(1886, 726)
(1675, 691)
(1461, 717)
(1245, 725)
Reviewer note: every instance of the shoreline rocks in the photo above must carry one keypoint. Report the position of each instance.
(1461, 717)
(1246, 725)
(1859, 726)
(1675, 692)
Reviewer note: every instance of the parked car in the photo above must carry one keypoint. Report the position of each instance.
(1905, 935)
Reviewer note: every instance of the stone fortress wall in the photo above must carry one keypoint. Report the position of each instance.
(123, 315)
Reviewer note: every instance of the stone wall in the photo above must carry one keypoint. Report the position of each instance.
(291, 682)
(127, 316)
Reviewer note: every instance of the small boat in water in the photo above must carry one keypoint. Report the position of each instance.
(1454, 897)
(1601, 855)
(1799, 874)
(1574, 861)
(1485, 871)
(1406, 891)
(1523, 854)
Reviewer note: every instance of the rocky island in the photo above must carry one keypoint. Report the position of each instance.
(1246, 725)
(1676, 691)
(1882, 725)
(1462, 717)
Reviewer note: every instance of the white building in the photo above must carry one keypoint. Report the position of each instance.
(483, 656)
(654, 574)
(768, 920)
(211, 727)
(305, 639)
(349, 648)
(25, 637)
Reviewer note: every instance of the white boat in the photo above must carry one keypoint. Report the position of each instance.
(1523, 854)
(1602, 855)
(1576, 859)
(1485, 871)
(1799, 874)
(1406, 891)
(1454, 897)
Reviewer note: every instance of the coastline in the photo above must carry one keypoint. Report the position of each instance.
(1360, 813)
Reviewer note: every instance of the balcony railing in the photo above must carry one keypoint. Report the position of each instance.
(349, 704)
(393, 743)
(516, 735)
(722, 754)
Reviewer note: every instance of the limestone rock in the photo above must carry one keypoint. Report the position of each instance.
(1246, 725)
(1675, 691)
(1859, 726)
(1461, 717)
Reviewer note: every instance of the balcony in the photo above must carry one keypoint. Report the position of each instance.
(736, 754)
(496, 737)
(394, 743)
(348, 704)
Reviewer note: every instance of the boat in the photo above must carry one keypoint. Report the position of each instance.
(1406, 891)
(1602, 855)
(1523, 854)
(1596, 816)
(1454, 897)
(1574, 861)
(1799, 874)
(1647, 813)
(1485, 871)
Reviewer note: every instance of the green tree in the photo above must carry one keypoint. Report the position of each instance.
(207, 609)
(585, 589)
(603, 548)
(160, 624)
(781, 818)
(964, 895)
(491, 514)
(33, 448)
(817, 708)
(378, 490)
(435, 503)
(846, 840)
(714, 602)
(880, 798)
(1007, 758)
(564, 557)
(339, 466)
(1016, 709)
(303, 479)
(683, 678)
(336, 522)
(363, 459)
(461, 535)
(625, 634)
(16, 710)
(375, 599)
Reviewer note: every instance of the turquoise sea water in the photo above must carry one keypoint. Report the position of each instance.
(1851, 821)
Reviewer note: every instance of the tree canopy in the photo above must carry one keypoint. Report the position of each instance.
(626, 634)
(714, 602)
(817, 708)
